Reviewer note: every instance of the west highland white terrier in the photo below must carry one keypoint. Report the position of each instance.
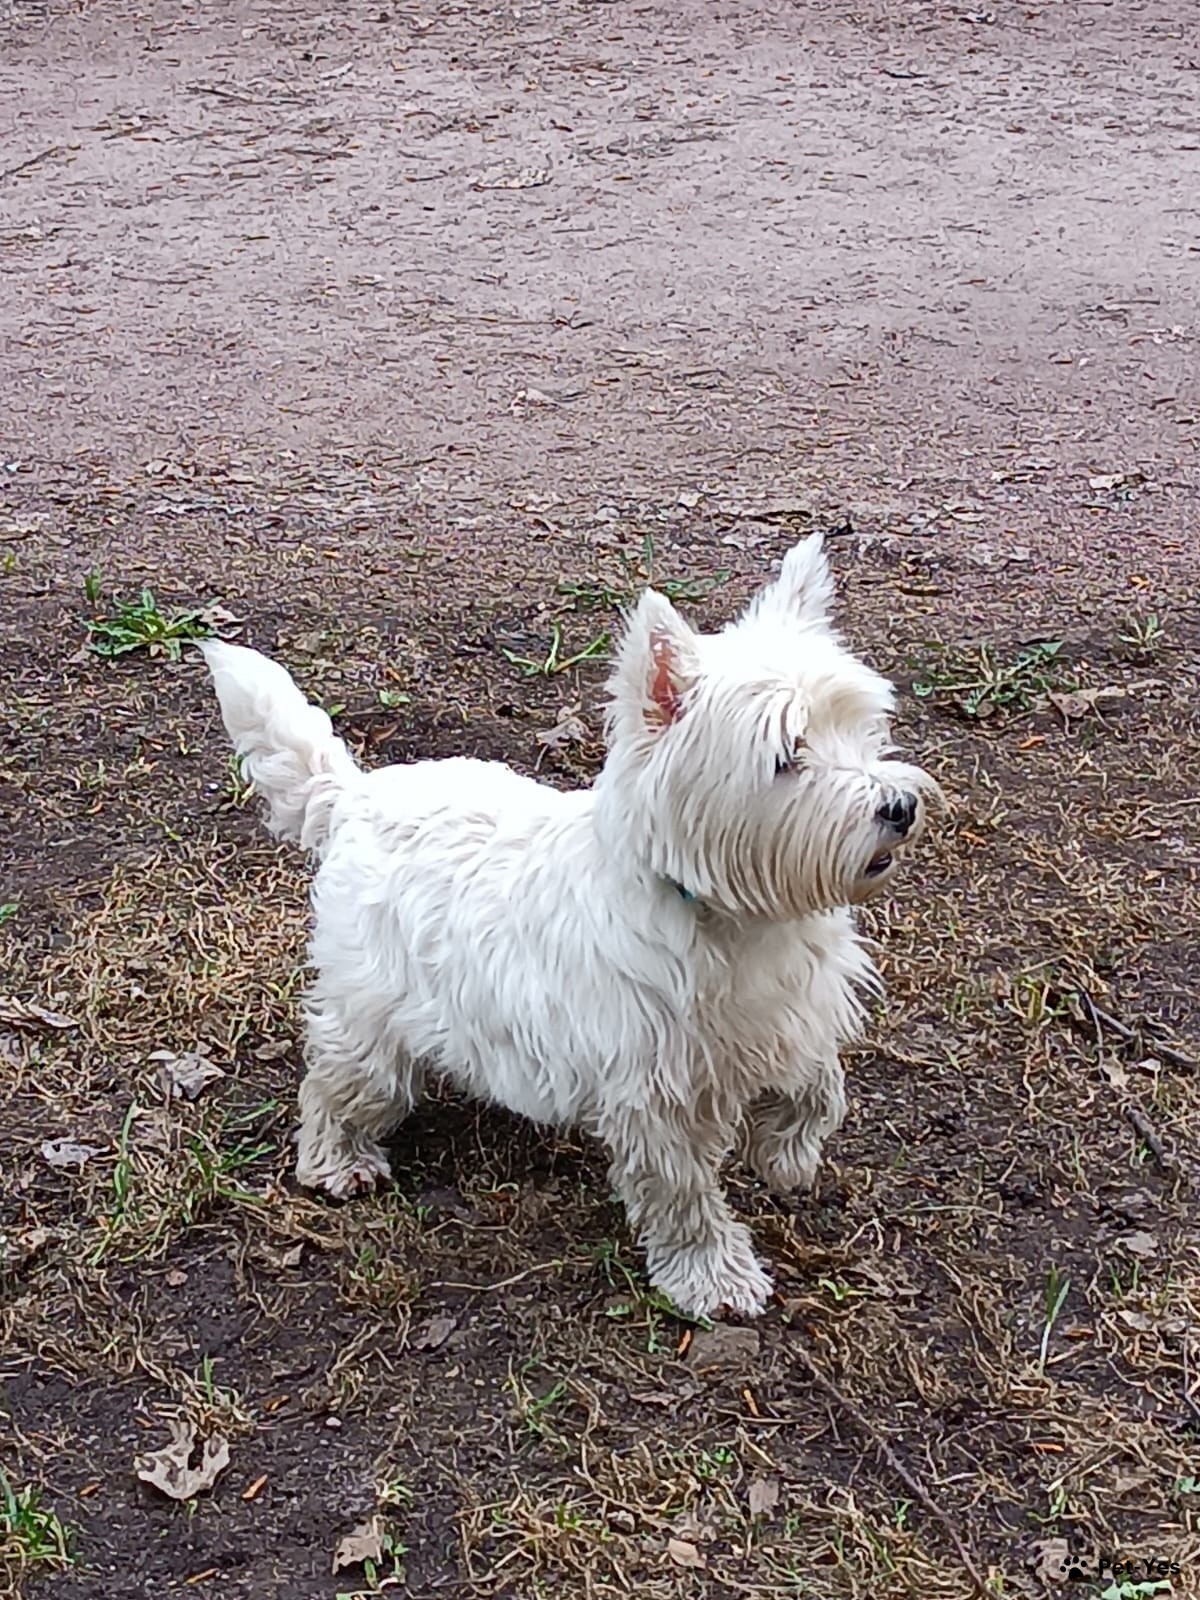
(667, 960)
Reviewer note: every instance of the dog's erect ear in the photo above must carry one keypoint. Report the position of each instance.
(657, 662)
(804, 588)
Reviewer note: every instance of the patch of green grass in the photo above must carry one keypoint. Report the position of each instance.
(378, 1576)
(140, 625)
(1121, 1290)
(155, 1191)
(554, 660)
(980, 684)
(217, 1405)
(631, 575)
(842, 1291)
(533, 1409)
(1057, 1288)
(1143, 635)
(8, 910)
(91, 587)
(385, 1570)
(714, 1464)
(30, 1533)
(1037, 1000)
(395, 1492)
(391, 698)
(237, 786)
(639, 1302)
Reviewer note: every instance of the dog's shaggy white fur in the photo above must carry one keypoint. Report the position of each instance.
(667, 960)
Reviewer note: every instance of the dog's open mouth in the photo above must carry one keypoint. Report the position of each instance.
(878, 863)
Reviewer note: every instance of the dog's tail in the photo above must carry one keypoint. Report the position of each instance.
(288, 748)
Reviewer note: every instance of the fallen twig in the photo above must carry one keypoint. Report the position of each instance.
(1102, 1019)
(914, 1486)
(1151, 1137)
(24, 166)
(504, 1283)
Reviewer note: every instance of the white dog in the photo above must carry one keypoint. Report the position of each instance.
(667, 960)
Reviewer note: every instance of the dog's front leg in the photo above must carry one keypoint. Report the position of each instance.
(666, 1173)
(783, 1134)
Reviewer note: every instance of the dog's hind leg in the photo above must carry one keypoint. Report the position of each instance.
(697, 1253)
(355, 1092)
(782, 1135)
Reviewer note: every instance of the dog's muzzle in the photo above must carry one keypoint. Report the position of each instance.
(897, 817)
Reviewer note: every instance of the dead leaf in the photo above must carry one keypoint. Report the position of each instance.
(1140, 1322)
(514, 178)
(763, 1496)
(433, 1334)
(1115, 1073)
(534, 397)
(364, 1543)
(273, 1050)
(66, 1153)
(1137, 1320)
(570, 728)
(1129, 1482)
(1116, 480)
(684, 1554)
(1050, 1557)
(280, 1259)
(24, 1014)
(218, 618)
(186, 1075)
(743, 541)
(723, 1349)
(658, 1397)
(1140, 1243)
(170, 1469)
(1078, 702)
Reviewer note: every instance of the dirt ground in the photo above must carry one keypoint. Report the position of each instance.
(417, 336)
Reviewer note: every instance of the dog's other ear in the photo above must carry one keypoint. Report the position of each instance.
(804, 588)
(657, 663)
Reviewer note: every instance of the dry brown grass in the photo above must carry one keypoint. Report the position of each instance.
(473, 1357)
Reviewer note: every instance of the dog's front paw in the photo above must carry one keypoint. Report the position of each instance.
(785, 1168)
(364, 1177)
(706, 1280)
(343, 1173)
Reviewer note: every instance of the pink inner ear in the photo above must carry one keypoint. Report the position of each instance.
(664, 691)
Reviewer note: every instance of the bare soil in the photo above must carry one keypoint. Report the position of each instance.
(409, 334)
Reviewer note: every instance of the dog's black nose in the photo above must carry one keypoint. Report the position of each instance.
(899, 813)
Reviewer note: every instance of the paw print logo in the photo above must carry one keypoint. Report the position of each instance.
(1071, 1568)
